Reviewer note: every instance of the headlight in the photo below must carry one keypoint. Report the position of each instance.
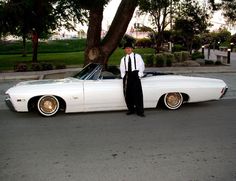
(7, 96)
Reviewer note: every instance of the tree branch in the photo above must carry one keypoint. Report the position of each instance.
(119, 25)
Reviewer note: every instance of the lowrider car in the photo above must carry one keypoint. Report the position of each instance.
(93, 89)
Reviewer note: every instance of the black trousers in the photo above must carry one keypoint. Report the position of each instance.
(133, 92)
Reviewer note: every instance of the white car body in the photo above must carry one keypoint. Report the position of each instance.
(101, 94)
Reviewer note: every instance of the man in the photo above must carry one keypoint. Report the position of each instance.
(131, 69)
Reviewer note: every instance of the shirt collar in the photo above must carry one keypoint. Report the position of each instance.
(131, 55)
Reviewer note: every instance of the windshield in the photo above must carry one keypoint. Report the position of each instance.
(95, 71)
(86, 72)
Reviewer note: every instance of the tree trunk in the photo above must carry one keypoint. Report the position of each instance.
(35, 46)
(93, 52)
(159, 42)
(98, 50)
(24, 46)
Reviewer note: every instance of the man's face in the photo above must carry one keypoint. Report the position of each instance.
(128, 50)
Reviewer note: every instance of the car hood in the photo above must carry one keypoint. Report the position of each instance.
(47, 81)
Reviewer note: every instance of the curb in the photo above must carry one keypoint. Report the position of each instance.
(61, 73)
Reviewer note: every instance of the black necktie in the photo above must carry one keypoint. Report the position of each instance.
(129, 65)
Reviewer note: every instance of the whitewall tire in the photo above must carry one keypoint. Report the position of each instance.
(173, 100)
(48, 105)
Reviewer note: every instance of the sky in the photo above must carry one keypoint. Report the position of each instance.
(109, 11)
(111, 8)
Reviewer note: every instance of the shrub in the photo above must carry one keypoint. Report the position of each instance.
(177, 48)
(168, 62)
(197, 55)
(177, 56)
(169, 57)
(60, 66)
(21, 67)
(35, 66)
(218, 62)
(185, 55)
(159, 60)
(209, 62)
(149, 59)
(144, 42)
(47, 66)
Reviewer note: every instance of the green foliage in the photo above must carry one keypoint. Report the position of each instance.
(21, 67)
(169, 62)
(178, 56)
(159, 12)
(164, 59)
(209, 62)
(36, 66)
(50, 46)
(233, 39)
(60, 66)
(191, 20)
(197, 55)
(223, 35)
(229, 7)
(39, 66)
(143, 43)
(169, 58)
(216, 38)
(21, 17)
(178, 48)
(89, 4)
(160, 60)
(197, 42)
(47, 66)
(149, 60)
(181, 56)
(218, 62)
(185, 55)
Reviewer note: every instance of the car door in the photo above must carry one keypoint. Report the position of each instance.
(103, 94)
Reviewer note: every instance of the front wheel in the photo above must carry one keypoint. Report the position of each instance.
(48, 105)
(173, 100)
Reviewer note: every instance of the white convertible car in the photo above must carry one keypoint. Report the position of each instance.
(93, 89)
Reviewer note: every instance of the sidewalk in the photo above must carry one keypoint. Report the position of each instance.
(62, 73)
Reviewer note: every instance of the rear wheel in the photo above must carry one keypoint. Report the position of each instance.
(48, 105)
(173, 100)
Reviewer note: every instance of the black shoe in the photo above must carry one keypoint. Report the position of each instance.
(130, 112)
(141, 115)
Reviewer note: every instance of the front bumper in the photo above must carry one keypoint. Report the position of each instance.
(9, 104)
(223, 92)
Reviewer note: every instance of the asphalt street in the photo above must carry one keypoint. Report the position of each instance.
(195, 143)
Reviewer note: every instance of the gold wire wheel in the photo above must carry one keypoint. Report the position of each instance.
(48, 105)
(173, 100)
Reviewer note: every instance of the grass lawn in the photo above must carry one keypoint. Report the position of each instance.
(74, 59)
